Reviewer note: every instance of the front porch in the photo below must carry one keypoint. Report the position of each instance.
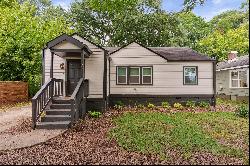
(62, 101)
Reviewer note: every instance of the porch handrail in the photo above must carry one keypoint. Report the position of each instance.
(53, 87)
(76, 99)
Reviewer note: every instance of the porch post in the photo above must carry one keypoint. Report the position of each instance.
(83, 65)
(51, 65)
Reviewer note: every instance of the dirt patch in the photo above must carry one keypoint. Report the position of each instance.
(23, 126)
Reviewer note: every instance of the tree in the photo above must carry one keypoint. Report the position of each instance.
(22, 36)
(193, 28)
(219, 44)
(231, 19)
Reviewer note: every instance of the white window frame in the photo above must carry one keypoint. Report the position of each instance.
(117, 76)
(238, 78)
(196, 69)
(151, 81)
(135, 75)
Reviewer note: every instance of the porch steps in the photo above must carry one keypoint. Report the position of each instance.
(53, 125)
(58, 116)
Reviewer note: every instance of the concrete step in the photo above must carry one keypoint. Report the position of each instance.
(60, 106)
(55, 118)
(58, 112)
(53, 125)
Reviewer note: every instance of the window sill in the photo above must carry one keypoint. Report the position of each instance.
(239, 87)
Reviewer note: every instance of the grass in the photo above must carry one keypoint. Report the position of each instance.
(154, 132)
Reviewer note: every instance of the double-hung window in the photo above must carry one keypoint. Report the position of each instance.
(121, 75)
(146, 75)
(239, 79)
(190, 75)
(134, 75)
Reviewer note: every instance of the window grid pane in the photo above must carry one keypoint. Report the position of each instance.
(134, 75)
(190, 76)
(122, 71)
(122, 75)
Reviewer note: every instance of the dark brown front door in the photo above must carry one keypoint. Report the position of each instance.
(74, 75)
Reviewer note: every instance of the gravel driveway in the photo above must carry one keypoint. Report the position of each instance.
(16, 132)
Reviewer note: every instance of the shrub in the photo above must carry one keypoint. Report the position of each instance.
(190, 104)
(204, 104)
(150, 105)
(119, 102)
(165, 104)
(242, 111)
(140, 106)
(34, 83)
(178, 106)
(95, 114)
(118, 105)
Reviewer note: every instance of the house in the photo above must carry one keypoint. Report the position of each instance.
(232, 77)
(79, 75)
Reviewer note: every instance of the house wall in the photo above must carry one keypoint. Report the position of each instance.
(222, 85)
(94, 69)
(167, 76)
(94, 66)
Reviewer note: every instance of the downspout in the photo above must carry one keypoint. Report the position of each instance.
(109, 79)
(214, 82)
(105, 79)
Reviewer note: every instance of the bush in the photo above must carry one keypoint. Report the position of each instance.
(95, 114)
(190, 104)
(242, 111)
(165, 104)
(141, 106)
(34, 83)
(150, 105)
(118, 105)
(178, 106)
(204, 104)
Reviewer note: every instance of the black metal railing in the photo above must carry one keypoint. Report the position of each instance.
(54, 87)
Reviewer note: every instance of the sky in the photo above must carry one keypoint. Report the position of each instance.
(208, 10)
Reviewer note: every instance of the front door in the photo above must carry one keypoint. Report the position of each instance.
(74, 75)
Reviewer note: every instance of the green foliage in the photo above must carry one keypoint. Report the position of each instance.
(178, 106)
(190, 104)
(95, 114)
(119, 102)
(242, 111)
(151, 106)
(23, 34)
(165, 104)
(153, 132)
(193, 29)
(204, 104)
(141, 106)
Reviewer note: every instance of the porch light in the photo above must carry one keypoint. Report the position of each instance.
(62, 66)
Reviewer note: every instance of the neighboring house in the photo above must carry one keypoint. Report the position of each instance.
(232, 77)
(83, 74)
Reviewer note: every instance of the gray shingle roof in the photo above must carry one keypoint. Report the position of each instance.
(240, 61)
(172, 53)
(180, 54)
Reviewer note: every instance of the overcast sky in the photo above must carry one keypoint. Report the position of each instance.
(207, 11)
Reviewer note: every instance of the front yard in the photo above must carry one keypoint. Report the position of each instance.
(145, 136)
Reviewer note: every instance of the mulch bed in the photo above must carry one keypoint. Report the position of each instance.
(88, 143)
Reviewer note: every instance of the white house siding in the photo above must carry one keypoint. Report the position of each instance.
(167, 76)
(94, 69)
(94, 66)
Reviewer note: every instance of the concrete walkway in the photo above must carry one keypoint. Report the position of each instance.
(11, 118)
